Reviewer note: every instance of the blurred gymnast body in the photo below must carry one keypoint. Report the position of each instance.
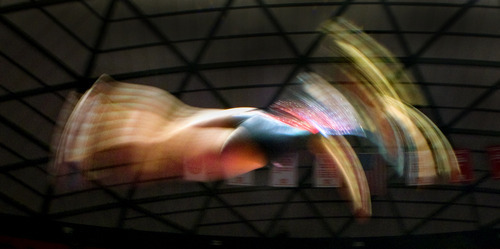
(121, 132)
(151, 131)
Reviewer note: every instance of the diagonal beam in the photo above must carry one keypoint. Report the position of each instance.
(346, 225)
(281, 32)
(97, 44)
(416, 71)
(30, 5)
(22, 183)
(300, 62)
(206, 44)
(24, 164)
(491, 224)
(245, 221)
(397, 214)
(13, 152)
(17, 205)
(30, 106)
(130, 204)
(304, 58)
(47, 196)
(448, 24)
(89, 8)
(28, 39)
(239, 64)
(28, 73)
(41, 144)
(15, 179)
(293, 192)
(485, 133)
(156, 31)
(467, 190)
(201, 214)
(61, 25)
(416, 56)
(478, 100)
(474, 208)
(317, 213)
(129, 197)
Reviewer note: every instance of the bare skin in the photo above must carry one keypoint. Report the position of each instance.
(123, 133)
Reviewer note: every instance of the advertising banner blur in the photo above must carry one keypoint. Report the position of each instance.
(421, 168)
(284, 172)
(466, 168)
(326, 173)
(247, 179)
(494, 156)
(376, 173)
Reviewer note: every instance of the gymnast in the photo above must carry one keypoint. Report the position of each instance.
(122, 132)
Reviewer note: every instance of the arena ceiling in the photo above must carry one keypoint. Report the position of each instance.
(229, 53)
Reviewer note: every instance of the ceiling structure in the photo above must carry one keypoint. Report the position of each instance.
(229, 53)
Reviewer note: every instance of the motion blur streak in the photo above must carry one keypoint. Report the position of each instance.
(120, 132)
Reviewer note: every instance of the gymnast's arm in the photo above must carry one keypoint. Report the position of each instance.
(121, 130)
(218, 143)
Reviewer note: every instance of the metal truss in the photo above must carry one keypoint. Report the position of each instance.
(195, 68)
